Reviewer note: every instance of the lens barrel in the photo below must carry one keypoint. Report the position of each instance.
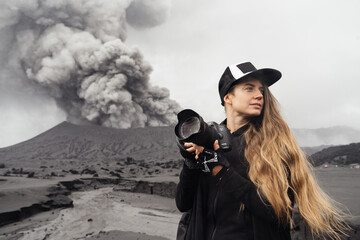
(192, 128)
(189, 127)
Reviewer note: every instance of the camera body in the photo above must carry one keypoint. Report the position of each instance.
(222, 134)
(192, 128)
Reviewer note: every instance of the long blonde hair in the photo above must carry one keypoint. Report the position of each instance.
(277, 164)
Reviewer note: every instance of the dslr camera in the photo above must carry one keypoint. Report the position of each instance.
(192, 128)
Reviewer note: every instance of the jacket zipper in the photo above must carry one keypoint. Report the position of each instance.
(214, 214)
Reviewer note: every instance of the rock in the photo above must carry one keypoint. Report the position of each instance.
(73, 171)
(88, 171)
(164, 189)
(31, 174)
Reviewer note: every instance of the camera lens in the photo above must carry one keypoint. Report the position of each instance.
(189, 127)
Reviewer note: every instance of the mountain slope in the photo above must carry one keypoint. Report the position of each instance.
(68, 146)
(338, 155)
(69, 141)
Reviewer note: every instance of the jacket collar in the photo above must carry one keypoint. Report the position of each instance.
(239, 131)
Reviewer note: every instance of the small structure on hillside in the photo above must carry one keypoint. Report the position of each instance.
(354, 165)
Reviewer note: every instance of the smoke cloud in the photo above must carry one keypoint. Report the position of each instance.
(76, 51)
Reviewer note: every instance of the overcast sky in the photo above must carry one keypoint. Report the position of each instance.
(315, 44)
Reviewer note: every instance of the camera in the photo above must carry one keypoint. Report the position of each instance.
(192, 128)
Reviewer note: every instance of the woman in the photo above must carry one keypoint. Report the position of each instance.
(251, 190)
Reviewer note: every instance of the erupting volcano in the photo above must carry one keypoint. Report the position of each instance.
(76, 51)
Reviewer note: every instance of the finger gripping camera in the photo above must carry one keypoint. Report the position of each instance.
(192, 128)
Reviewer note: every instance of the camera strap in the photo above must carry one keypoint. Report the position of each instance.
(209, 158)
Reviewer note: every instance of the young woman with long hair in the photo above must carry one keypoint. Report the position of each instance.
(250, 191)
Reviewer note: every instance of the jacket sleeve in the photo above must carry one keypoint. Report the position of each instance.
(186, 188)
(245, 191)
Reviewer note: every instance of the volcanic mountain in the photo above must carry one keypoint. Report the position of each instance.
(94, 149)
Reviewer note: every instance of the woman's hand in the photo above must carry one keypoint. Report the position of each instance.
(192, 147)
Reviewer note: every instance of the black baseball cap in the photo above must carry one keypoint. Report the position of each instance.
(236, 73)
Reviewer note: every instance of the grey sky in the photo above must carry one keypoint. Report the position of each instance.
(315, 44)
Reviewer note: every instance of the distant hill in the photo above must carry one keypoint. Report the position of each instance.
(311, 150)
(338, 135)
(338, 155)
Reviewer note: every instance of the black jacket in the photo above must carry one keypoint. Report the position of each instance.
(215, 203)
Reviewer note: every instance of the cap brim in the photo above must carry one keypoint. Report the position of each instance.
(268, 76)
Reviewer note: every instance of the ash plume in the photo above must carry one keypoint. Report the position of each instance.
(76, 51)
